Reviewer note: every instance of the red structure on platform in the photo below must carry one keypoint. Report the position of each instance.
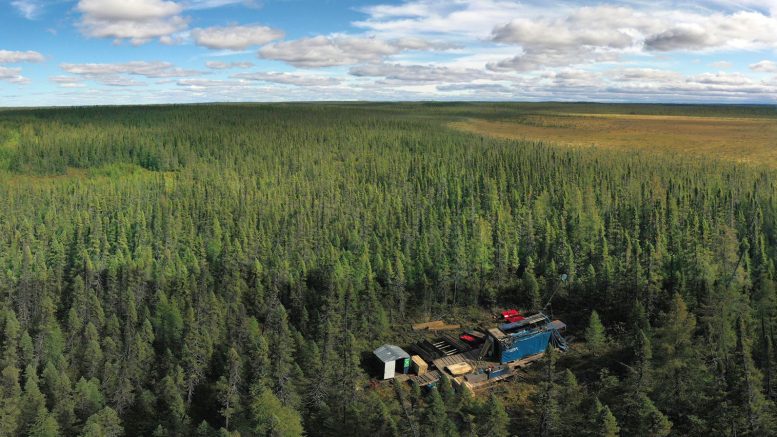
(512, 316)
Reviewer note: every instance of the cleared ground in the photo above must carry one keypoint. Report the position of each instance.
(751, 140)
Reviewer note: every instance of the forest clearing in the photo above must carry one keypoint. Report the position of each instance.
(750, 140)
(217, 270)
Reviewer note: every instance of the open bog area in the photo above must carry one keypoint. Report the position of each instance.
(745, 139)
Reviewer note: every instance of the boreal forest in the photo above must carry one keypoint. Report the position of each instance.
(227, 270)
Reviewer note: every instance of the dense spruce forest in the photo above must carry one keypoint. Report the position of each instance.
(224, 270)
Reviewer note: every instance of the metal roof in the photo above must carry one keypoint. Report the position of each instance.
(389, 352)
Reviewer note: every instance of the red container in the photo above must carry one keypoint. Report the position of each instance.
(512, 316)
(510, 313)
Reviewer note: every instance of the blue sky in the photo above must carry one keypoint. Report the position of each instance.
(83, 52)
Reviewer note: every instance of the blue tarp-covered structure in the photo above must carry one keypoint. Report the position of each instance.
(523, 346)
(527, 337)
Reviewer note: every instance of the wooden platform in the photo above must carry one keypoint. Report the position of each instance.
(427, 378)
(496, 333)
(469, 356)
(526, 361)
(475, 384)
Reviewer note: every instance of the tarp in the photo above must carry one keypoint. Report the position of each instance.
(459, 369)
(522, 347)
(499, 371)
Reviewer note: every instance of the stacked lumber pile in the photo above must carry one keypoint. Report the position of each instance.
(437, 325)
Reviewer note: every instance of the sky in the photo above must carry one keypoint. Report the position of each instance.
(87, 52)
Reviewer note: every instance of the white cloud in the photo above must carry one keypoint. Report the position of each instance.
(494, 49)
(753, 5)
(730, 79)
(654, 85)
(119, 81)
(564, 34)
(68, 81)
(129, 9)
(681, 37)
(416, 43)
(324, 51)
(29, 9)
(418, 73)
(764, 67)
(136, 20)
(643, 75)
(475, 87)
(218, 65)
(235, 37)
(538, 60)
(607, 33)
(210, 83)
(457, 18)
(334, 50)
(572, 79)
(740, 30)
(289, 78)
(210, 4)
(13, 75)
(13, 57)
(119, 74)
(155, 69)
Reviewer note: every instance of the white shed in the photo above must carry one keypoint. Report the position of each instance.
(388, 354)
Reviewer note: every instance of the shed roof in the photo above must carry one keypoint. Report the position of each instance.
(389, 352)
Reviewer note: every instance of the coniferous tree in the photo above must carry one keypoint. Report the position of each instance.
(10, 401)
(104, 423)
(531, 289)
(436, 421)
(752, 412)
(493, 420)
(608, 425)
(571, 405)
(595, 336)
(271, 418)
(45, 425)
(33, 402)
(228, 386)
(58, 391)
